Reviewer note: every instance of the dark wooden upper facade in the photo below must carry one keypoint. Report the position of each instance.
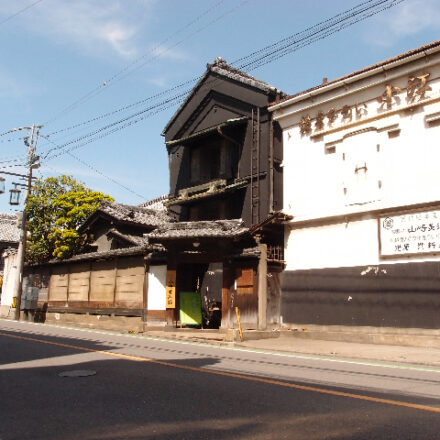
(224, 150)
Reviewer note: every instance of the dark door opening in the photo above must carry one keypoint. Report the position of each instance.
(207, 281)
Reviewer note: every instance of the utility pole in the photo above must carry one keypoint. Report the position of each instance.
(32, 162)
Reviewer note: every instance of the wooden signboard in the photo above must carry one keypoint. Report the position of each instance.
(190, 308)
(171, 289)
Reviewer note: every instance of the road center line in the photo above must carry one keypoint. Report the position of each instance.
(234, 375)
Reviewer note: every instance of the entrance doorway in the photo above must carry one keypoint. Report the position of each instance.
(206, 280)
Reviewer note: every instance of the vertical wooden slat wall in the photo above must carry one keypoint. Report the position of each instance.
(130, 276)
(79, 280)
(59, 282)
(102, 283)
(110, 283)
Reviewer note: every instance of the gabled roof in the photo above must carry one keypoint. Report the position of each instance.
(222, 68)
(9, 230)
(128, 214)
(129, 238)
(198, 229)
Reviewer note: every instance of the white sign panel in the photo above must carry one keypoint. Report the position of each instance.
(414, 233)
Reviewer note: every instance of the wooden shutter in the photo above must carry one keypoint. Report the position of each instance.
(245, 281)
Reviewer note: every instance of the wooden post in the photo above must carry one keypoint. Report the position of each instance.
(262, 287)
(145, 290)
(239, 323)
(90, 283)
(115, 274)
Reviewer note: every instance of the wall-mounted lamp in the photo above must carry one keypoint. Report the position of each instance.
(196, 244)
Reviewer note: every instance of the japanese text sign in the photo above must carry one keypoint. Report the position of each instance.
(170, 296)
(414, 233)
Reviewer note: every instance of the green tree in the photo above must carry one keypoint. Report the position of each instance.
(55, 209)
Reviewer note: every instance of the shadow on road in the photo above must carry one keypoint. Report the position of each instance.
(129, 399)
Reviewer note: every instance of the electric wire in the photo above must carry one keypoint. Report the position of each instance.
(111, 179)
(20, 11)
(126, 70)
(135, 104)
(319, 34)
(324, 31)
(324, 27)
(291, 37)
(121, 121)
(156, 108)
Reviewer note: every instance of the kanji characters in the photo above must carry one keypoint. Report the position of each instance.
(305, 125)
(417, 86)
(388, 96)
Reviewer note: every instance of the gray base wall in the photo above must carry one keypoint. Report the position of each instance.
(123, 324)
(386, 295)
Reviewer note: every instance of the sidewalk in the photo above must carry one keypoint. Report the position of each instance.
(287, 343)
(349, 350)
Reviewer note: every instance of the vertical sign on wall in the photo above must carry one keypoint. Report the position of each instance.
(171, 289)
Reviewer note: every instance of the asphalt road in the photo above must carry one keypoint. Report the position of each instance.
(147, 388)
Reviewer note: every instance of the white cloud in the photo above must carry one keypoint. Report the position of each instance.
(406, 19)
(159, 82)
(165, 52)
(14, 87)
(415, 16)
(91, 25)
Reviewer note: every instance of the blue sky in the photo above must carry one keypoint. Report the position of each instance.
(104, 55)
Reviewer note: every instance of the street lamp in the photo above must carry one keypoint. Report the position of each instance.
(14, 196)
(2, 185)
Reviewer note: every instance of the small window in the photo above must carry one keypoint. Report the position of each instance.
(330, 149)
(393, 133)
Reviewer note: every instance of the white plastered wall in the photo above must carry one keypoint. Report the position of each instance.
(396, 150)
(157, 287)
(10, 280)
(333, 245)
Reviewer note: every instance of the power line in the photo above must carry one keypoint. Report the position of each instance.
(135, 104)
(309, 29)
(108, 126)
(20, 11)
(323, 32)
(111, 179)
(307, 37)
(107, 177)
(133, 66)
(260, 55)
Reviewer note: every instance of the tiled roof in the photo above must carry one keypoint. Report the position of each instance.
(221, 67)
(9, 231)
(133, 239)
(134, 214)
(199, 229)
(127, 252)
(156, 204)
(399, 57)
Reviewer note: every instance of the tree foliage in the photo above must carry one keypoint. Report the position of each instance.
(55, 209)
